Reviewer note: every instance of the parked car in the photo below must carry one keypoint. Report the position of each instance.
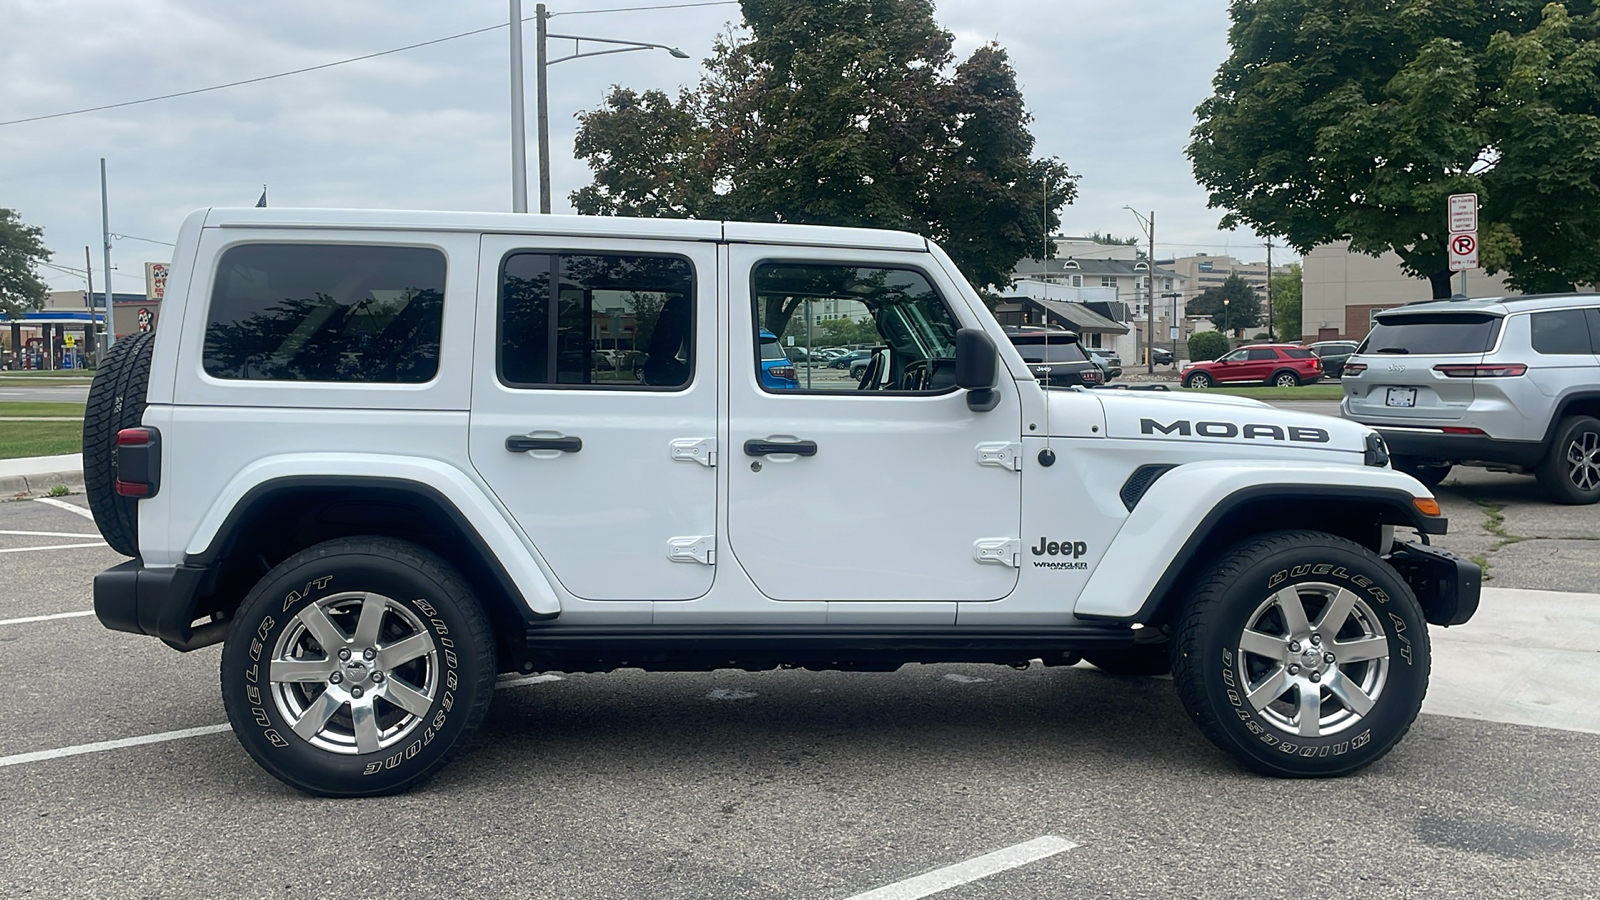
(1333, 354)
(1281, 365)
(1110, 364)
(777, 372)
(1055, 356)
(849, 359)
(1161, 357)
(1507, 383)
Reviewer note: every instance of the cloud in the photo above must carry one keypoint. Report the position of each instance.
(1112, 88)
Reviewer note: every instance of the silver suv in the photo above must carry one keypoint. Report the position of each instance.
(1511, 384)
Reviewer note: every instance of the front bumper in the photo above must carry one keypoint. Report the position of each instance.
(1432, 445)
(161, 602)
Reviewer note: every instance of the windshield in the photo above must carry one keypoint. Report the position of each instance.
(1433, 334)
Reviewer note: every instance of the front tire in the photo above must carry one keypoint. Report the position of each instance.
(1570, 472)
(357, 667)
(1302, 655)
(1198, 381)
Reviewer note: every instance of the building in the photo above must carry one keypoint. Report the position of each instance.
(1203, 272)
(1122, 281)
(67, 324)
(1342, 290)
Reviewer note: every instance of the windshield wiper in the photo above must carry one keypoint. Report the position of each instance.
(1392, 350)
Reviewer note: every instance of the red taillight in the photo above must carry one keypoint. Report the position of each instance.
(1354, 368)
(138, 458)
(787, 372)
(1091, 374)
(1500, 370)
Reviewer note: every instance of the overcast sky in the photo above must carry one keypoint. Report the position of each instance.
(1112, 84)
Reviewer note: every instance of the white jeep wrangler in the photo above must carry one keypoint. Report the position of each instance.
(386, 456)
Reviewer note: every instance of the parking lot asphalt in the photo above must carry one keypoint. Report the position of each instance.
(44, 390)
(775, 784)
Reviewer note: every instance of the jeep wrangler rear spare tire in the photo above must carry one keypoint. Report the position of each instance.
(116, 401)
(1570, 472)
(357, 667)
(1302, 655)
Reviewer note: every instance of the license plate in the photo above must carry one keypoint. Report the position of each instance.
(1400, 397)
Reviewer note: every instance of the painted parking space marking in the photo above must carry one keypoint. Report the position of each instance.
(62, 504)
(18, 759)
(102, 746)
(76, 534)
(51, 547)
(971, 870)
(26, 619)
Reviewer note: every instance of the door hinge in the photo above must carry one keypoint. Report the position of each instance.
(998, 551)
(1001, 455)
(700, 450)
(701, 550)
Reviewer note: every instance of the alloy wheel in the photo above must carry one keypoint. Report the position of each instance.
(1313, 659)
(1583, 461)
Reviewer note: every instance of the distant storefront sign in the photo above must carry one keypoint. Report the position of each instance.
(155, 280)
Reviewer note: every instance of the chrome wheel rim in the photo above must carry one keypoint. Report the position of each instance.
(1314, 659)
(1583, 461)
(354, 672)
(1200, 382)
(1285, 381)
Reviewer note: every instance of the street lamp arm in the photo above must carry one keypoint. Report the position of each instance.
(627, 46)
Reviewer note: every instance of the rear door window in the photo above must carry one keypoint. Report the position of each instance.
(1564, 332)
(1260, 354)
(326, 312)
(1433, 334)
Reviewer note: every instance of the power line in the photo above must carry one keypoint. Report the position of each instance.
(218, 87)
(146, 240)
(590, 12)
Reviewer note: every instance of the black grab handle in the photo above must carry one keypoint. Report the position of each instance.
(521, 443)
(765, 448)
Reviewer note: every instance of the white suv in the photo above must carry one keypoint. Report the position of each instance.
(386, 456)
(1512, 384)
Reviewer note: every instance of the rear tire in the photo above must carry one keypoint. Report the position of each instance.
(1286, 380)
(1430, 474)
(116, 401)
(357, 667)
(1198, 381)
(1302, 655)
(1570, 472)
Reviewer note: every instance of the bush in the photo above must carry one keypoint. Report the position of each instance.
(1207, 345)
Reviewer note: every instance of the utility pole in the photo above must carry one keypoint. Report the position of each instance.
(1150, 306)
(105, 228)
(88, 270)
(519, 127)
(542, 16)
(1271, 313)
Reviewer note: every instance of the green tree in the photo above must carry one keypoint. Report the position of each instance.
(1207, 345)
(1287, 289)
(1232, 305)
(837, 112)
(21, 249)
(1356, 121)
(1111, 240)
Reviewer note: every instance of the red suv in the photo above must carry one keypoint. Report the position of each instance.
(1281, 365)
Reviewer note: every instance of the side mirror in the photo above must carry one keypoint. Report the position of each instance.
(977, 367)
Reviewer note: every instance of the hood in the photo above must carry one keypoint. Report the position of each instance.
(1225, 421)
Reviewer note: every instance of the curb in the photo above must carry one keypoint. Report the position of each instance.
(17, 486)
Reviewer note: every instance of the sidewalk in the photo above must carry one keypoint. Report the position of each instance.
(37, 474)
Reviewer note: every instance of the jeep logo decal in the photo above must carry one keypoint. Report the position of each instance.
(1184, 427)
(1073, 549)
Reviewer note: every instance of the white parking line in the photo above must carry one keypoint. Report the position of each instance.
(38, 755)
(100, 746)
(52, 534)
(26, 619)
(62, 504)
(971, 870)
(51, 547)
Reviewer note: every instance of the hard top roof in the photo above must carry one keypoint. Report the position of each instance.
(564, 226)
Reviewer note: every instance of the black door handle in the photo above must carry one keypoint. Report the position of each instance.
(521, 443)
(765, 448)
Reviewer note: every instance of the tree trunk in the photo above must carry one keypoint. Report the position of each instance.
(1442, 289)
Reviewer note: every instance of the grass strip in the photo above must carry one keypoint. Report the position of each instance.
(16, 408)
(1306, 392)
(20, 439)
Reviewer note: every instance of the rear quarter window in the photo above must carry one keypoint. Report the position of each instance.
(326, 312)
(1296, 353)
(1563, 332)
(1433, 334)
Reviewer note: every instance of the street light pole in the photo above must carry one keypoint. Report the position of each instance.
(542, 64)
(519, 127)
(1149, 227)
